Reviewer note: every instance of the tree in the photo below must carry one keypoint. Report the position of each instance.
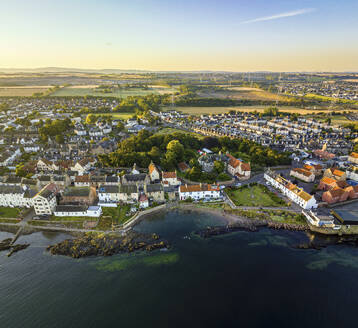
(60, 139)
(271, 111)
(4, 107)
(194, 174)
(219, 167)
(91, 119)
(176, 148)
(120, 126)
(20, 171)
(154, 154)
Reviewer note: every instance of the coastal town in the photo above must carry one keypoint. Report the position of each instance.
(63, 166)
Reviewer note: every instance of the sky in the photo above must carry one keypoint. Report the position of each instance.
(222, 35)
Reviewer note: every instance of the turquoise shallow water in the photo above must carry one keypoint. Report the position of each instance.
(237, 280)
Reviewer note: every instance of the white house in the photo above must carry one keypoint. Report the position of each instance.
(44, 201)
(109, 194)
(44, 165)
(78, 210)
(290, 190)
(143, 201)
(82, 166)
(302, 174)
(15, 196)
(318, 221)
(170, 179)
(199, 191)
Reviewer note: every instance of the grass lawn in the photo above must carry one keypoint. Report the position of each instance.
(9, 220)
(336, 119)
(253, 196)
(71, 218)
(58, 224)
(172, 130)
(9, 212)
(286, 217)
(280, 216)
(118, 214)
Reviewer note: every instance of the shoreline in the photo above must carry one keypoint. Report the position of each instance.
(237, 221)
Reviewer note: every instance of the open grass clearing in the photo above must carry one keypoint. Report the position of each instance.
(14, 221)
(118, 116)
(173, 130)
(9, 212)
(119, 214)
(253, 196)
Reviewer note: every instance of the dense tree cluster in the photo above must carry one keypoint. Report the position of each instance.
(167, 150)
(141, 104)
(55, 129)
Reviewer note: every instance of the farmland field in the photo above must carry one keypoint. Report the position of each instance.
(220, 110)
(23, 91)
(336, 119)
(239, 93)
(91, 90)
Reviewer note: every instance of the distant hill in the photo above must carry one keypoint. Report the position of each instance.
(68, 70)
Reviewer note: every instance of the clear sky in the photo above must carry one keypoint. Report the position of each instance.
(233, 35)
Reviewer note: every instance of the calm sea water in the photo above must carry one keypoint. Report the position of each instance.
(238, 280)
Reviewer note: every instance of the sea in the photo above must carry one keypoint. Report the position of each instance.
(242, 279)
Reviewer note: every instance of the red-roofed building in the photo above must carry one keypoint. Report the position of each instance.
(143, 201)
(336, 174)
(238, 168)
(335, 195)
(183, 167)
(170, 179)
(199, 191)
(353, 158)
(323, 154)
(153, 172)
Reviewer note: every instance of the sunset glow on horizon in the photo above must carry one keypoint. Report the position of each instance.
(191, 35)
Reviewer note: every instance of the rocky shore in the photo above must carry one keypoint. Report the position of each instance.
(106, 245)
(6, 245)
(243, 224)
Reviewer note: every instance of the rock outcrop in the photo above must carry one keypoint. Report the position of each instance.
(106, 245)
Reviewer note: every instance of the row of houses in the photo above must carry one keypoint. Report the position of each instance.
(290, 190)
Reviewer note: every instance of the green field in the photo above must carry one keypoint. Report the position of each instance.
(172, 130)
(73, 91)
(120, 116)
(220, 110)
(253, 196)
(335, 119)
(9, 212)
(119, 214)
(330, 99)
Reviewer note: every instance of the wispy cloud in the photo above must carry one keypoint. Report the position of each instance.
(282, 15)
